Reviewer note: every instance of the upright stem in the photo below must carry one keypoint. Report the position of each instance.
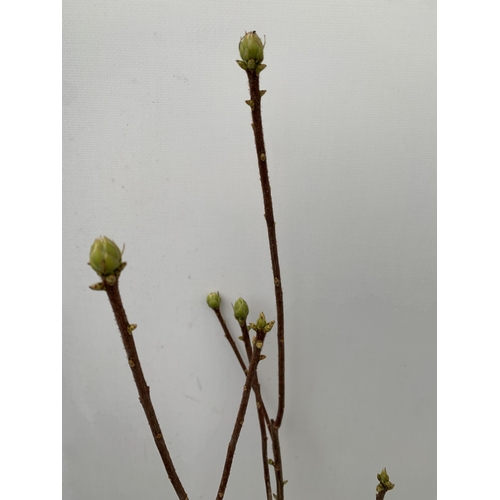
(255, 97)
(278, 469)
(263, 447)
(240, 417)
(256, 386)
(261, 409)
(261, 413)
(142, 387)
(230, 339)
(248, 347)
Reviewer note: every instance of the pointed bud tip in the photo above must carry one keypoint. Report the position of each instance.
(261, 321)
(383, 476)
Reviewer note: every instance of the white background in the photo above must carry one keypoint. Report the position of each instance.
(158, 154)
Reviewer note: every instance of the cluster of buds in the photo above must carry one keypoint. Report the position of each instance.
(262, 325)
(106, 260)
(384, 484)
(251, 52)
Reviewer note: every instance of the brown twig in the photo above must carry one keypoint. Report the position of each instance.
(263, 446)
(255, 98)
(240, 417)
(261, 409)
(278, 469)
(230, 339)
(256, 386)
(142, 387)
(261, 413)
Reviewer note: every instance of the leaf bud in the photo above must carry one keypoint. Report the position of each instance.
(261, 322)
(269, 326)
(383, 476)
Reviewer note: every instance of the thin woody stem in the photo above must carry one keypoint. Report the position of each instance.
(246, 340)
(273, 430)
(278, 469)
(248, 347)
(230, 339)
(256, 385)
(261, 413)
(263, 446)
(255, 98)
(240, 417)
(142, 387)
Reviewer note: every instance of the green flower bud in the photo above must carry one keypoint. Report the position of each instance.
(241, 311)
(213, 300)
(251, 49)
(261, 322)
(105, 256)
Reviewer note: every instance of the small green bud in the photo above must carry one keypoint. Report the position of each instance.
(260, 67)
(242, 65)
(251, 49)
(213, 300)
(383, 476)
(269, 326)
(241, 311)
(105, 256)
(385, 484)
(110, 279)
(261, 322)
(98, 286)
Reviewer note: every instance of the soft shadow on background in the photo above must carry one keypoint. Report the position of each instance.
(158, 154)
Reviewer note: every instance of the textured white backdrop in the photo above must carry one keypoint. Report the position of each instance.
(158, 154)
